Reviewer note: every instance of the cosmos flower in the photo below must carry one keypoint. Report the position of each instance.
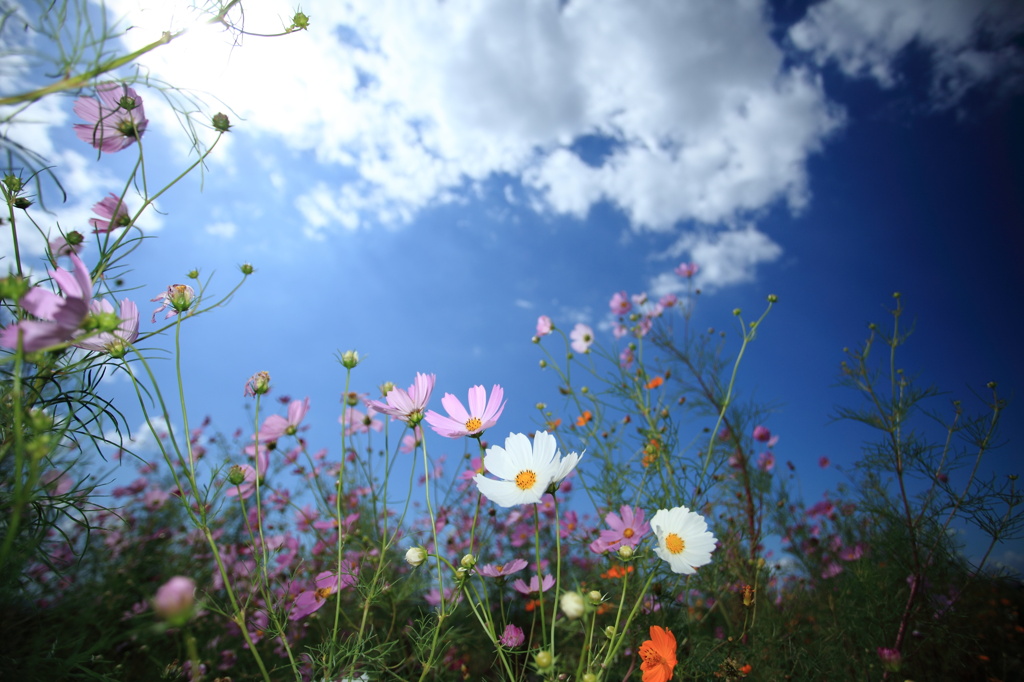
(327, 583)
(175, 598)
(407, 405)
(625, 530)
(683, 539)
(502, 570)
(178, 297)
(525, 471)
(482, 414)
(59, 316)
(275, 426)
(687, 270)
(620, 304)
(512, 636)
(659, 655)
(114, 119)
(113, 214)
(114, 342)
(582, 337)
(544, 325)
(535, 586)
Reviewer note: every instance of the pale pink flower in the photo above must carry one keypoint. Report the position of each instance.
(544, 325)
(114, 118)
(536, 585)
(482, 414)
(502, 570)
(407, 405)
(327, 583)
(275, 426)
(126, 333)
(178, 297)
(687, 270)
(620, 304)
(582, 338)
(59, 245)
(113, 214)
(59, 316)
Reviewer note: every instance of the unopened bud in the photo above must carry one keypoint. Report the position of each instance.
(625, 552)
(543, 660)
(349, 359)
(415, 556)
(221, 123)
(236, 475)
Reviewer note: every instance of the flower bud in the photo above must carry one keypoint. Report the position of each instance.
(415, 556)
(625, 552)
(13, 287)
(572, 605)
(386, 388)
(174, 599)
(221, 123)
(772, 298)
(543, 660)
(236, 475)
(247, 269)
(300, 22)
(468, 561)
(595, 597)
(21, 202)
(589, 677)
(349, 359)
(258, 384)
(609, 631)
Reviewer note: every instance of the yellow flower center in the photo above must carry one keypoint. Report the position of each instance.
(628, 533)
(674, 543)
(526, 480)
(473, 424)
(323, 593)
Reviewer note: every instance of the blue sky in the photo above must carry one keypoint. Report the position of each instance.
(420, 183)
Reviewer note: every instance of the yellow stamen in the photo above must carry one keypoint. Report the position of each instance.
(526, 480)
(674, 543)
(323, 593)
(628, 533)
(473, 424)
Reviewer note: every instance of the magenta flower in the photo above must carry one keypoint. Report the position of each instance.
(544, 325)
(113, 214)
(536, 585)
(502, 570)
(114, 119)
(620, 304)
(582, 338)
(890, 658)
(482, 414)
(407, 405)
(512, 637)
(762, 434)
(327, 583)
(276, 426)
(624, 530)
(114, 342)
(59, 316)
(687, 270)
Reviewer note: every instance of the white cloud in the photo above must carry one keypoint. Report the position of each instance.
(968, 41)
(725, 259)
(224, 229)
(704, 120)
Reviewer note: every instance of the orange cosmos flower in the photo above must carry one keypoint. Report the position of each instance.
(659, 655)
(553, 424)
(584, 418)
(617, 572)
(655, 382)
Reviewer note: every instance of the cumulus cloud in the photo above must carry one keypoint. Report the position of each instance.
(969, 42)
(725, 258)
(702, 118)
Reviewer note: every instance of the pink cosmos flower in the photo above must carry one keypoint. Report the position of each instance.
(620, 304)
(502, 570)
(824, 462)
(512, 636)
(126, 333)
(536, 585)
(544, 325)
(482, 414)
(582, 338)
(113, 214)
(327, 583)
(407, 405)
(410, 441)
(114, 119)
(762, 433)
(624, 530)
(687, 270)
(59, 316)
(60, 246)
(276, 426)
(890, 658)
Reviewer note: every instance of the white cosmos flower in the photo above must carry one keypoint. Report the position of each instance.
(683, 539)
(525, 471)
